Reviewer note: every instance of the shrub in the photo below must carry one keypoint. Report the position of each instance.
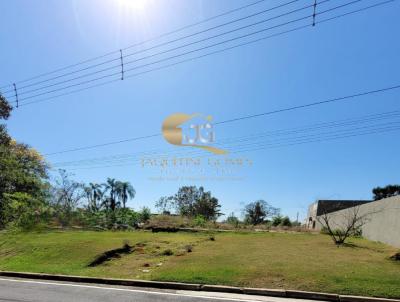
(286, 222)
(199, 220)
(277, 220)
(144, 215)
(233, 220)
(23, 212)
(168, 252)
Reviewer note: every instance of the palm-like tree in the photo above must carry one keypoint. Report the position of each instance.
(110, 186)
(96, 195)
(123, 191)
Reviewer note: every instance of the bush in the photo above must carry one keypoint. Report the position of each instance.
(144, 215)
(286, 222)
(233, 220)
(199, 220)
(277, 220)
(23, 212)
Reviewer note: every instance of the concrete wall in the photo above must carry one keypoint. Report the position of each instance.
(382, 220)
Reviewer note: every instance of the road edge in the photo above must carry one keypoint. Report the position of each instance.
(199, 287)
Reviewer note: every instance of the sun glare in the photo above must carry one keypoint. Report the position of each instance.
(136, 5)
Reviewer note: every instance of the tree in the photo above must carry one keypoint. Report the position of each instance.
(341, 226)
(191, 201)
(385, 192)
(165, 205)
(5, 108)
(144, 214)
(123, 191)
(256, 212)
(5, 111)
(110, 186)
(286, 222)
(22, 170)
(185, 199)
(277, 220)
(24, 212)
(206, 205)
(66, 195)
(94, 196)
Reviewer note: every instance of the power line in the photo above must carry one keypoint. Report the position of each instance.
(206, 47)
(329, 101)
(104, 144)
(285, 133)
(141, 43)
(263, 146)
(163, 44)
(311, 104)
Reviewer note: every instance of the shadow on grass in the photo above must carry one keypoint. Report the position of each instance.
(361, 247)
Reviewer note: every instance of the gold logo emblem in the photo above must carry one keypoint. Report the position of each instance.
(203, 132)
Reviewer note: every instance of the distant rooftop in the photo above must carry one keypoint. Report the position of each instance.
(328, 206)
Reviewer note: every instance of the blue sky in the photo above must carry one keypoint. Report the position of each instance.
(349, 55)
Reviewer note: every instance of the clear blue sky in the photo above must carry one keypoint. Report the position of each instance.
(345, 56)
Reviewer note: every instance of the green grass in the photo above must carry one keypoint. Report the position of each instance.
(272, 260)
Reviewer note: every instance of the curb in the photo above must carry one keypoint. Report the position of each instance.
(312, 295)
(126, 282)
(364, 299)
(265, 292)
(222, 289)
(199, 287)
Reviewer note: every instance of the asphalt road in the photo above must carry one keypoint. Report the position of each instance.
(23, 290)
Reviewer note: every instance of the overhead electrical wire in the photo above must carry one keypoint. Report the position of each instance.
(284, 133)
(211, 53)
(286, 109)
(140, 43)
(176, 48)
(228, 48)
(228, 142)
(169, 42)
(288, 142)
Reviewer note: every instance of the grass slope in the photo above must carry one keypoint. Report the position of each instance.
(272, 260)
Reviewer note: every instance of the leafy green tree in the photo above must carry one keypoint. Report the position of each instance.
(110, 187)
(5, 111)
(94, 195)
(385, 192)
(207, 206)
(286, 221)
(191, 201)
(185, 199)
(277, 220)
(123, 191)
(256, 212)
(5, 108)
(144, 214)
(23, 170)
(25, 212)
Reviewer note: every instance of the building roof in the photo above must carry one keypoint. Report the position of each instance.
(329, 206)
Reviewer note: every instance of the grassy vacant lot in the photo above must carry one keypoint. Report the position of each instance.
(273, 260)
